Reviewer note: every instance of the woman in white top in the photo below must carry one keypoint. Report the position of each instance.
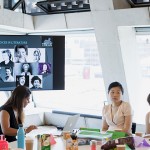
(118, 114)
(147, 118)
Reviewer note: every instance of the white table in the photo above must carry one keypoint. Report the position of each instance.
(60, 145)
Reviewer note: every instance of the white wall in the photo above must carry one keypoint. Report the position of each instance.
(131, 63)
(22, 23)
(14, 21)
(58, 22)
(109, 46)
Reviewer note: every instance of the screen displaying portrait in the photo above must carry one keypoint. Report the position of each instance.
(6, 57)
(34, 61)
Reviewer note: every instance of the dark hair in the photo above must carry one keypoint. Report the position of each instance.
(48, 70)
(16, 99)
(35, 78)
(115, 84)
(8, 52)
(148, 99)
(19, 77)
(8, 68)
(21, 46)
(37, 51)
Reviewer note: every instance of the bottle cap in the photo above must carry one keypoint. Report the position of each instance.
(20, 125)
(2, 137)
(93, 142)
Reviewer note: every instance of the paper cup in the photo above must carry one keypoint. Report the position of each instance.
(29, 143)
(121, 147)
(66, 134)
(139, 134)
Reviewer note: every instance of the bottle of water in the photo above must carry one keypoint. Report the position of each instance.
(20, 137)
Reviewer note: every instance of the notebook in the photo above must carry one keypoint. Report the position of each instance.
(70, 124)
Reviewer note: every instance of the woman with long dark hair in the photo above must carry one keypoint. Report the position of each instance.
(12, 113)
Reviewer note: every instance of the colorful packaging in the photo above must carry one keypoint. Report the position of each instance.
(71, 142)
(120, 141)
(45, 142)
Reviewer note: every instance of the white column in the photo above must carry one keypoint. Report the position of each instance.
(106, 32)
(131, 61)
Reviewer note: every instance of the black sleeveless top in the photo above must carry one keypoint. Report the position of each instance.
(13, 122)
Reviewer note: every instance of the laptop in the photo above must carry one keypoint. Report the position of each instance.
(69, 126)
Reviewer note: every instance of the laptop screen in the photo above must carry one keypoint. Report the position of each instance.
(71, 122)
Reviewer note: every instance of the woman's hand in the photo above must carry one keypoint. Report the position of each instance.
(30, 128)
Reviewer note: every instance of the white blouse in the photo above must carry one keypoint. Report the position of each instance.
(117, 122)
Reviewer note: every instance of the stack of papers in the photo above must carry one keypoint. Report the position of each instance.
(93, 134)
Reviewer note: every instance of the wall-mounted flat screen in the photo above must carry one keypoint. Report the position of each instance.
(36, 61)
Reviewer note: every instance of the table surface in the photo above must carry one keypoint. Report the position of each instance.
(60, 145)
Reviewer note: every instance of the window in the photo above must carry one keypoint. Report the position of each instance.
(4, 96)
(84, 86)
(143, 45)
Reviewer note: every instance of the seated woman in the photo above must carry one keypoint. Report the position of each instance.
(118, 114)
(147, 118)
(12, 113)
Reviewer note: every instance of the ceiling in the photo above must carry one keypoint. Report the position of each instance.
(40, 7)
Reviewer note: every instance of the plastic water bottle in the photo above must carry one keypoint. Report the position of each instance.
(20, 137)
(3, 143)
